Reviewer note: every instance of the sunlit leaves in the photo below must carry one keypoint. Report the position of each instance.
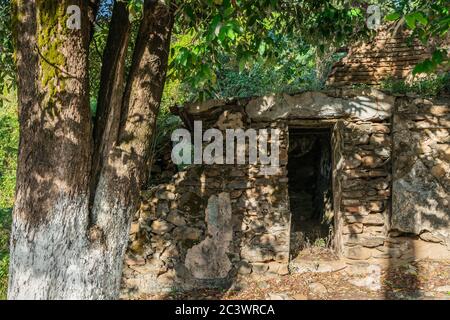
(135, 8)
(414, 18)
(393, 16)
(427, 20)
(248, 31)
(216, 27)
(439, 57)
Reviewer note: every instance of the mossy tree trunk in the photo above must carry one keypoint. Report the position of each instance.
(78, 178)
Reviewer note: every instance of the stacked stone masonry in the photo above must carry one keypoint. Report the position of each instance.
(213, 223)
(387, 55)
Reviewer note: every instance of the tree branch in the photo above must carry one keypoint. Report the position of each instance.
(110, 94)
(92, 14)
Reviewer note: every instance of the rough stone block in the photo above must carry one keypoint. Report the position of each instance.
(357, 253)
(353, 228)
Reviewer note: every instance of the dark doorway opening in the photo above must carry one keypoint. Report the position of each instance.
(310, 189)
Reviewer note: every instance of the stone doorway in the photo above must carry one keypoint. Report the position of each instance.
(310, 189)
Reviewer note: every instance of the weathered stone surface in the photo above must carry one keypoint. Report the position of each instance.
(440, 170)
(162, 208)
(429, 250)
(257, 254)
(176, 219)
(420, 203)
(387, 55)
(145, 268)
(355, 138)
(375, 230)
(259, 268)
(357, 253)
(134, 228)
(244, 268)
(230, 120)
(208, 259)
(374, 106)
(376, 206)
(283, 269)
(161, 226)
(199, 107)
(187, 233)
(165, 195)
(428, 236)
(384, 153)
(353, 228)
(445, 289)
(168, 230)
(352, 163)
(132, 260)
(380, 139)
(375, 219)
(274, 267)
(278, 296)
(371, 161)
(387, 252)
(364, 240)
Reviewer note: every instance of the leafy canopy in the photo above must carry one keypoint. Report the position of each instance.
(428, 20)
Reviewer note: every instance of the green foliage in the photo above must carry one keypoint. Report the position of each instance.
(431, 85)
(294, 69)
(221, 49)
(250, 31)
(430, 65)
(51, 17)
(95, 57)
(9, 141)
(135, 8)
(7, 69)
(427, 20)
(320, 243)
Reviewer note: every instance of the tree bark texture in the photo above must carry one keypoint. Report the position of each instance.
(78, 179)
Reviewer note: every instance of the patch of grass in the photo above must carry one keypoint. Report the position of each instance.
(321, 243)
(9, 141)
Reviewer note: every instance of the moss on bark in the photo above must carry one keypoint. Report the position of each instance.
(51, 18)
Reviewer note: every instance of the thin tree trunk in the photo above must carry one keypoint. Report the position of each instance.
(106, 126)
(124, 172)
(61, 247)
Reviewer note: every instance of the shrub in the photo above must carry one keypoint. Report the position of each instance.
(431, 85)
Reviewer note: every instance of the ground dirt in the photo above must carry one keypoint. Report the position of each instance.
(406, 281)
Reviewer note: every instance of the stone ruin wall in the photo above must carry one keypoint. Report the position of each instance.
(210, 223)
(213, 223)
(421, 171)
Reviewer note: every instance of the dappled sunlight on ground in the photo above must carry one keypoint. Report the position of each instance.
(417, 280)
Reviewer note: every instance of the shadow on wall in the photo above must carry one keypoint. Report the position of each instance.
(420, 221)
(189, 235)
